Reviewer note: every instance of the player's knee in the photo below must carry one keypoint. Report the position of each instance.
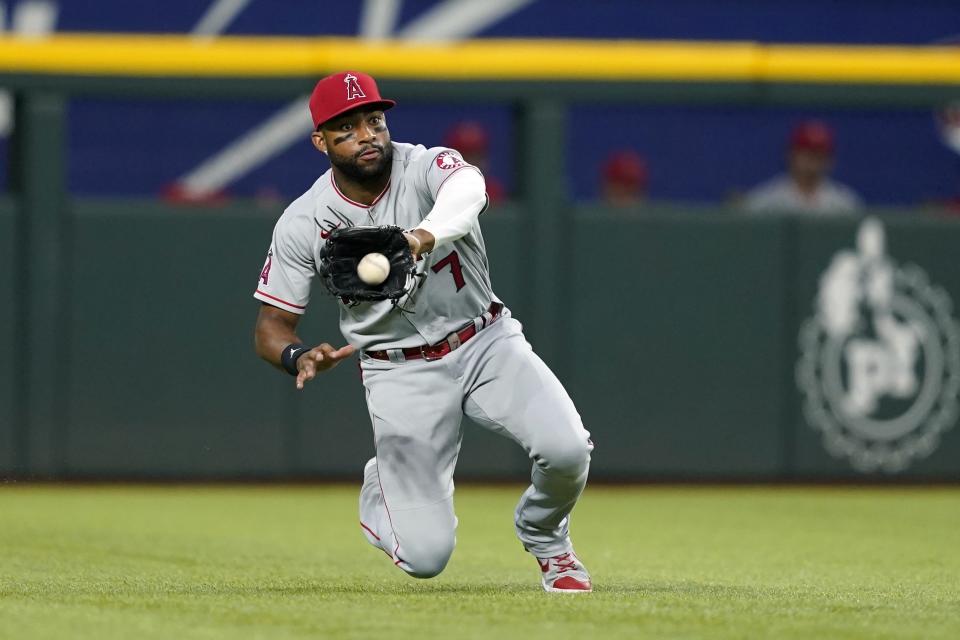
(428, 556)
(566, 456)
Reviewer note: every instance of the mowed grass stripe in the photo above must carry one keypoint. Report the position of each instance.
(290, 562)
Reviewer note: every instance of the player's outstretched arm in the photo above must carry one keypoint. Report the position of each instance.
(460, 201)
(276, 331)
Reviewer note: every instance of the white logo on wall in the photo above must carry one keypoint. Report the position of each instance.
(880, 359)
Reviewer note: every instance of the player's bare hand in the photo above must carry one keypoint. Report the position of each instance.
(320, 359)
(420, 240)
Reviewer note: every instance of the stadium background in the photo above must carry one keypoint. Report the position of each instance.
(685, 371)
(696, 153)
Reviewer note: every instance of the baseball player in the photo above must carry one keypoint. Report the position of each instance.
(449, 348)
(806, 187)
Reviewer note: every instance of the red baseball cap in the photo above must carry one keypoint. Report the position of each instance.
(627, 168)
(812, 135)
(338, 93)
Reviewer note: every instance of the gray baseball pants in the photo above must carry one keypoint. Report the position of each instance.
(416, 407)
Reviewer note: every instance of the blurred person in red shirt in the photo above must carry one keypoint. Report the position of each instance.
(471, 140)
(624, 179)
(806, 187)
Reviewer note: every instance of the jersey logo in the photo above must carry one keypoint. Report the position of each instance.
(353, 87)
(325, 233)
(448, 160)
(879, 359)
(329, 226)
(265, 273)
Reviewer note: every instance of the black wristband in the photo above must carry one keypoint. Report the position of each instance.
(289, 356)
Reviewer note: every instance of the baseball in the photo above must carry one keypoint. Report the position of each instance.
(373, 268)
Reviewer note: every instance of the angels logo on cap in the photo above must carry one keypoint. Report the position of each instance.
(329, 99)
(353, 87)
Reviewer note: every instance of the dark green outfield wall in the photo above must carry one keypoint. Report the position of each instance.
(678, 343)
(8, 283)
(678, 340)
(164, 380)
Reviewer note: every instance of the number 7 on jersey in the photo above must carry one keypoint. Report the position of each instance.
(453, 260)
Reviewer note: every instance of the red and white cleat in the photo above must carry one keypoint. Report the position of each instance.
(564, 574)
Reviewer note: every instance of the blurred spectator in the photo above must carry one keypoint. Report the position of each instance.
(952, 206)
(948, 121)
(177, 193)
(624, 179)
(948, 124)
(471, 140)
(806, 187)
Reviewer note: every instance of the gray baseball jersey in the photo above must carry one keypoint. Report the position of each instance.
(781, 194)
(456, 287)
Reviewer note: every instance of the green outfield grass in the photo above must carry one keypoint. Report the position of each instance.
(282, 562)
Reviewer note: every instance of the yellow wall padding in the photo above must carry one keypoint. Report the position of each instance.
(577, 60)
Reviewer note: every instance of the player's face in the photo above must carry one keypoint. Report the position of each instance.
(810, 165)
(357, 143)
